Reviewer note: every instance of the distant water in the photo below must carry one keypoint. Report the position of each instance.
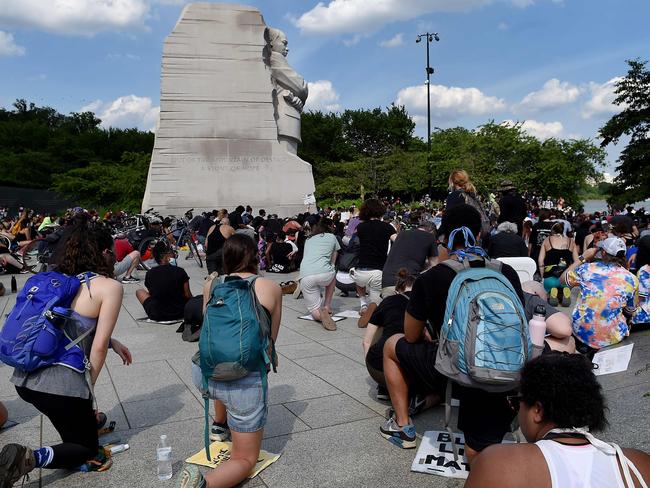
(592, 206)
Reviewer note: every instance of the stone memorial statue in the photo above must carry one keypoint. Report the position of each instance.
(229, 124)
(290, 90)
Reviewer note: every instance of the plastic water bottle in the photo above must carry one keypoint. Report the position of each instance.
(14, 285)
(537, 326)
(164, 454)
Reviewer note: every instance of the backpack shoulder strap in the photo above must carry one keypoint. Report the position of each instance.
(494, 264)
(455, 265)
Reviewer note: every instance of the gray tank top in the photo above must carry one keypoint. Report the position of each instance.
(60, 380)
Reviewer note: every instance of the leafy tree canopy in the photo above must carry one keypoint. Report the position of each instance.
(633, 96)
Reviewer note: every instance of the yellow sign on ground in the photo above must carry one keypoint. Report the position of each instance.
(220, 452)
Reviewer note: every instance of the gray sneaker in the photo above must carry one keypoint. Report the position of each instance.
(16, 461)
(403, 437)
(219, 432)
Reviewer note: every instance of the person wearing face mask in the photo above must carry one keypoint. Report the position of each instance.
(559, 406)
(168, 286)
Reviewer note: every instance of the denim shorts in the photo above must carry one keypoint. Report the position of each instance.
(246, 405)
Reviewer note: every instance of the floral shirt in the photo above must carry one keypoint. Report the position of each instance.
(642, 315)
(605, 290)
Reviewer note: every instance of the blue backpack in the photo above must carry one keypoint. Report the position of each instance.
(235, 337)
(33, 335)
(484, 340)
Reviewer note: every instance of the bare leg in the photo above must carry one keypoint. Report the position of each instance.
(396, 382)
(559, 325)
(567, 344)
(9, 259)
(329, 294)
(219, 412)
(470, 453)
(245, 449)
(135, 260)
(141, 294)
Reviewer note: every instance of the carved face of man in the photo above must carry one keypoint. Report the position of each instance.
(280, 44)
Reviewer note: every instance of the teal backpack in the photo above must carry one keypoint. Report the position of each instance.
(235, 337)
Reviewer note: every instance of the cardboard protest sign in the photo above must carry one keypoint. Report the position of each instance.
(220, 452)
(436, 455)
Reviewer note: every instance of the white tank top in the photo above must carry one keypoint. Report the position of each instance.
(580, 466)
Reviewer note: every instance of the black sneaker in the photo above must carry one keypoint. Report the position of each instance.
(16, 461)
(130, 279)
(417, 403)
(219, 432)
(403, 437)
(382, 393)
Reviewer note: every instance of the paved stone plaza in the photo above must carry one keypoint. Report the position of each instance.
(323, 417)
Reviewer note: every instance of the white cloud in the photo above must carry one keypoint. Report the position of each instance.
(8, 46)
(353, 41)
(554, 93)
(395, 41)
(322, 97)
(503, 26)
(126, 112)
(81, 17)
(448, 102)
(541, 130)
(367, 16)
(602, 99)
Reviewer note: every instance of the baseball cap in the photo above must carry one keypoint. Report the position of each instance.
(613, 246)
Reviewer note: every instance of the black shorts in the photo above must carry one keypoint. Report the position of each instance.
(153, 311)
(483, 417)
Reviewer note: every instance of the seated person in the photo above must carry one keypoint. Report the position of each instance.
(126, 261)
(10, 264)
(279, 255)
(386, 321)
(558, 391)
(506, 243)
(558, 324)
(608, 293)
(409, 359)
(168, 287)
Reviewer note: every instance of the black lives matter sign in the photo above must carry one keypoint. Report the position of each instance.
(436, 455)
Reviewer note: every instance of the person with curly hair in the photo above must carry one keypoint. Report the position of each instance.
(559, 404)
(63, 395)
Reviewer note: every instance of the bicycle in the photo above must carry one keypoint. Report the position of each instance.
(186, 237)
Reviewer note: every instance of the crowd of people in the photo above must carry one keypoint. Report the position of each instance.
(401, 263)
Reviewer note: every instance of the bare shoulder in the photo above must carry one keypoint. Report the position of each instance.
(642, 462)
(265, 285)
(508, 466)
(106, 285)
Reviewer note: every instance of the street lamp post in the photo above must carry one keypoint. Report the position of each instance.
(430, 37)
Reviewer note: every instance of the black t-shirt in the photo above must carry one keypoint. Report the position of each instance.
(429, 296)
(513, 209)
(456, 197)
(166, 286)
(257, 222)
(280, 252)
(373, 240)
(541, 230)
(410, 250)
(205, 225)
(507, 245)
(390, 317)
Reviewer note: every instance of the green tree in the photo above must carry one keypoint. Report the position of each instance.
(633, 96)
(101, 185)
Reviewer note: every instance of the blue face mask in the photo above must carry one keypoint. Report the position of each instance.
(173, 262)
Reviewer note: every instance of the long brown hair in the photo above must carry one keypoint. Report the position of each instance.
(240, 255)
(83, 250)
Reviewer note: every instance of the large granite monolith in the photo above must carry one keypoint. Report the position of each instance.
(229, 123)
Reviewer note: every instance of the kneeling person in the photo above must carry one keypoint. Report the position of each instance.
(410, 359)
(168, 287)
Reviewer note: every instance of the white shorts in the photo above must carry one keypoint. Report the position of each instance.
(311, 288)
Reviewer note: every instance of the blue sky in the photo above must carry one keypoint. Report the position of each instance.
(547, 63)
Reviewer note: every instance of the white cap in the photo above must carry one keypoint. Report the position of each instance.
(613, 246)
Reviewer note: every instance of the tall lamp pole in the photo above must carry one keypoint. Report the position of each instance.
(429, 37)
